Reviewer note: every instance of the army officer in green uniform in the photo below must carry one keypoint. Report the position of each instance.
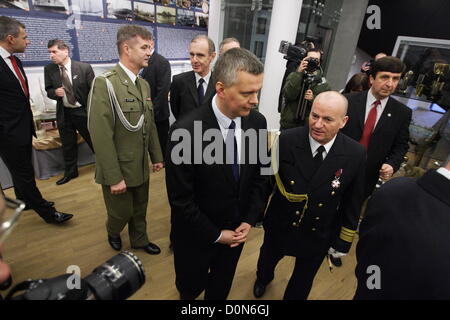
(122, 127)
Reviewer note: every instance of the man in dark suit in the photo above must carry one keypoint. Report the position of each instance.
(403, 250)
(380, 123)
(68, 82)
(318, 197)
(16, 121)
(192, 89)
(158, 76)
(215, 203)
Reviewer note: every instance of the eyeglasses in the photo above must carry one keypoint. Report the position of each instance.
(9, 215)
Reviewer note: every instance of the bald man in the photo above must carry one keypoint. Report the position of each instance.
(318, 196)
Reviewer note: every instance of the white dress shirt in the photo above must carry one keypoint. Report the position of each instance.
(315, 145)
(205, 83)
(380, 108)
(68, 66)
(224, 124)
(444, 171)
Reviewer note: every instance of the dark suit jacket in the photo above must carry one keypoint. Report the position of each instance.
(389, 141)
(16, 118)
(82, 77)
(329, 209)
(183, 93)
(205, 198)
(406, 234)
(158, 76)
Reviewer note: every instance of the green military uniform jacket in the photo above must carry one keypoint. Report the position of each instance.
(122, 154)
(291, 93)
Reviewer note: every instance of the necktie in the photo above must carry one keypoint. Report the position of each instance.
(200, 90)
(369, 125)
(318, 158)
(19, 75)
(67, 86)
(231, 150)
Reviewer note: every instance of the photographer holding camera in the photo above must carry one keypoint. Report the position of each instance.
(300, 90)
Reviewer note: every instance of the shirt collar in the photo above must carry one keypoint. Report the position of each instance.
(314, 144)
(68, 64)
(222, 119)
(371, 99)
(206, 78)
(444, 171)
(4, 53)
(129, 73)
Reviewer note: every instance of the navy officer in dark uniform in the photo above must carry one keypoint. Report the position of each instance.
(318, 196)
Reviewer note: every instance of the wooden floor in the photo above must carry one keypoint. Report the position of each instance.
(39, 250)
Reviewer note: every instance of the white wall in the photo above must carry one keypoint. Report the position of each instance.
(283, 26)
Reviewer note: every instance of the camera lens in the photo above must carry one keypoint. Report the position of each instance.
(118, 278)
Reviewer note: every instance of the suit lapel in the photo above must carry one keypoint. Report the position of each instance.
(303, 156)
(10, 73)
(131, 87)
(192, 86)
(211, 89)
(245, 150)
(386, 116)
(361, 109)
(75, 70)
(211, 122)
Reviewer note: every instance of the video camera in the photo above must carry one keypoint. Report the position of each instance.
(292, 52)
(116, 279)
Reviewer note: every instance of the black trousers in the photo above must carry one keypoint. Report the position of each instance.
(209, 268)
(163, 134)
(74, 119)
(17, 159)
(302, 277)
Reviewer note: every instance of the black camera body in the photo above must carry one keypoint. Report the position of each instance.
(313, 65)
(292, 52)
(116, 279)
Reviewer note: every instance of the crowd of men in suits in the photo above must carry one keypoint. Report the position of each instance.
(321, 174)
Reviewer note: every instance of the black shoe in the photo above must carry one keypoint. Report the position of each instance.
(337, 262)
(258, 289)
(65, 179)
(115, 243)
(151, 248)
(47, 204)
(6, 284)
(59, 217)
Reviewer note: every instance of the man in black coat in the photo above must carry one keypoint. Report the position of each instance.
(158, 76)
(318, 197)
(68, 82)
(380, 122)
(214, 203)
(195, 88)
(16, 121)
(403, 250)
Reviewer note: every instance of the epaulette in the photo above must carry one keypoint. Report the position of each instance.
(109, 73)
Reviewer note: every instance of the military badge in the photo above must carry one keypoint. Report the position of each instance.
(335, 184)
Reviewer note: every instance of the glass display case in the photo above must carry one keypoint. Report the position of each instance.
(427, 73)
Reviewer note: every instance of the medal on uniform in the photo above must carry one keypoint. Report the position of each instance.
(335, 184)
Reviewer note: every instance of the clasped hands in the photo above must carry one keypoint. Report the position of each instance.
(236, 237)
